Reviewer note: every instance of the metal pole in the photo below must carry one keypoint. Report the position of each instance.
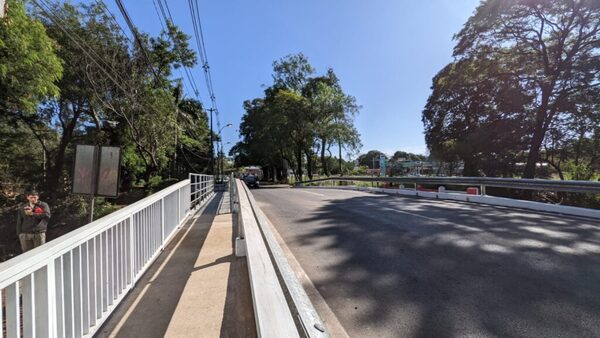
(94, 180)
(212, 168)
(92, 208)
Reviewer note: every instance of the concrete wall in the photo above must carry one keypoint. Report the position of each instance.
(491, 200)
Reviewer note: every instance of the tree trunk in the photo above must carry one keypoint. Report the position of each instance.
(539, 133)
(309, 164)
(55, 171)
(299, 163)
(323, 162)
(340, 157)
(470, 169)
(534, 152)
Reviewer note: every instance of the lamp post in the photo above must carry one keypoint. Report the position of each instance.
(221, 142)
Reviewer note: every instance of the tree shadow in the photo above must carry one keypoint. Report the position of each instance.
(147, 311)
(413, 267)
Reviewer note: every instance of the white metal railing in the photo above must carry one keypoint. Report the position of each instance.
(69, 286)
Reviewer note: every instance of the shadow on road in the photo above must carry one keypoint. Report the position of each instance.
(434, 269)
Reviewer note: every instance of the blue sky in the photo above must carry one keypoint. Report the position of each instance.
(384, 52)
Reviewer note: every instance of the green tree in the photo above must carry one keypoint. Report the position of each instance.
(370, 159)
(549, 47)
(475, 118)
(298, 114)
(30, 68)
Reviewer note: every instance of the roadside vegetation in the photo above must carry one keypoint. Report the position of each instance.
(523, 89)
(304, 123)
(69, 75)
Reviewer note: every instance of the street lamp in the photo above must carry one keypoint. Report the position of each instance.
(222, 159)
(221, 142)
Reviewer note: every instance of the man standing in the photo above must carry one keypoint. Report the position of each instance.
(32, 222)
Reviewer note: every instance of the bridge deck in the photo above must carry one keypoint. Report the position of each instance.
(196, 288)
(392, 266)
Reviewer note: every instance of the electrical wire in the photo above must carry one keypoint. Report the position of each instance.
(45, 8)
(201, 46)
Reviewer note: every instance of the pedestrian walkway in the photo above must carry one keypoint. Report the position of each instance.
(196, 287)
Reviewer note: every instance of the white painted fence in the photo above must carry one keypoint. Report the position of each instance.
(69, 286)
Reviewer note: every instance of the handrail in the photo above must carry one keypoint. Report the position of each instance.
(70, 285)
(511, 183)
(310, 324)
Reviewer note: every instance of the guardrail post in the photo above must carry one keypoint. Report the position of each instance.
(132, 258)
(178, 206)
(162, 221)
(482, 190)
(45, 296)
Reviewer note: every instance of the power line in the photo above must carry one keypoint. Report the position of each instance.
(137, 38)
(162, 16)
(105, 8)
(201, 46)
(45, 8)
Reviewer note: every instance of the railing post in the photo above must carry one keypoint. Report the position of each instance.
(482, 190)
(162, 222)
(132, 258)
(178, 206)
(13, 314)
(45, 297)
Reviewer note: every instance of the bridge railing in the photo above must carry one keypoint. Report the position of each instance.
(69, 286)
(281, 306)
(480, 183)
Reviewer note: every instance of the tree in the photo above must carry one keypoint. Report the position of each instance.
(403, 155)
(29, 68)
(298, 114)
(370, 159)
(475, 118)
(549, 47)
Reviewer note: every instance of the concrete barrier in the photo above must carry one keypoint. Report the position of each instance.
(491, 200)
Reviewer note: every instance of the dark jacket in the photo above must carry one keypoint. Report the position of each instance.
(38, 222)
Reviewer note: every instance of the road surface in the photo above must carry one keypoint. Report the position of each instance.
(393, 266)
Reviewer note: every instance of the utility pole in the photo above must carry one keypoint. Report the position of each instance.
(212, 168)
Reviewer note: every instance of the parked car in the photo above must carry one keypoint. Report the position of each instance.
(252, 181)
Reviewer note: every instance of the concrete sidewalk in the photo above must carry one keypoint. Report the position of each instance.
(196, 287)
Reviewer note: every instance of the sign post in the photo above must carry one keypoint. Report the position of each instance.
(382, 165)
(96, 172)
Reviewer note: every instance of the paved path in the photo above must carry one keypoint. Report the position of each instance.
(196, 288)
(410, 267)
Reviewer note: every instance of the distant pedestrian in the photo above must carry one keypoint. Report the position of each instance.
(32, 222)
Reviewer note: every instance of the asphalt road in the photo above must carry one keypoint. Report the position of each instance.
(412, 267)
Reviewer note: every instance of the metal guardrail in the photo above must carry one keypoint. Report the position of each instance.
(308, 322)
(69, 286)
(481, 182)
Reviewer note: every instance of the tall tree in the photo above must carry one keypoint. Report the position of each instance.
(30, 68)
(475, 118)
(549, 47)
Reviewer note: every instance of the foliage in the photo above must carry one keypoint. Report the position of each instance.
(70, 76)
(370, 159)
(523, 87)
(299, 115)
(29, 67)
